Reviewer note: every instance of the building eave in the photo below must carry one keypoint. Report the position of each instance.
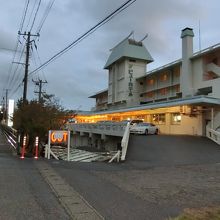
(99, 93)
(159, 69)
(206, 51)
(197, 100)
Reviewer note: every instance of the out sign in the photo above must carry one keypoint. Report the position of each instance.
(58, 136)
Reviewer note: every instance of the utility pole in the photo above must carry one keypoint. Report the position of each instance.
(39, 84)
(28, 43)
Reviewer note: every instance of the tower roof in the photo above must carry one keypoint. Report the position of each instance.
(128, 48)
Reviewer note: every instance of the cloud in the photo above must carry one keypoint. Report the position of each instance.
(79, 73)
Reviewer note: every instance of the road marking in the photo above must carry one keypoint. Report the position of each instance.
(75, 205)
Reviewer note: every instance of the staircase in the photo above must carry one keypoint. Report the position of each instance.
(79, 155)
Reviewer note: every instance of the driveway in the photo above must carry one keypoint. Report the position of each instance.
(161, 176)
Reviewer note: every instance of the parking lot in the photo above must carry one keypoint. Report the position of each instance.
(161, 176)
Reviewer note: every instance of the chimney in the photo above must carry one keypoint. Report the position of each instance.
(187, 51)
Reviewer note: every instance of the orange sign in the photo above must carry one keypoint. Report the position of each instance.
(58, 137)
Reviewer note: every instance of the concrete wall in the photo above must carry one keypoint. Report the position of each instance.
(119, 79)
(139, 69)
(95, 141)
(199, 81)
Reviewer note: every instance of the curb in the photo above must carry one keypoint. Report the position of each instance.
(74, 204)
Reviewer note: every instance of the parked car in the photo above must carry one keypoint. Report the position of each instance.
(133, 122)
(144, 128)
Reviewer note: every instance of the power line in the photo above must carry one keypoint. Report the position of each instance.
(15, 90)
(24, 14)
(37, 61)
(47, 10)
(28, 45)
(10, 82)
(16, 69)
(17, 43)
(86, 34)
(38, 6)
(32, 11)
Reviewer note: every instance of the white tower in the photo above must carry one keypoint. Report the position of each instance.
(187, 52)
(127, 61)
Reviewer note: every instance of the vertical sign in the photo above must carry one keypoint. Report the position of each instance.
(130, 83)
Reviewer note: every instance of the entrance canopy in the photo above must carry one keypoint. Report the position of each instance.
(196, 100)
(140, 112)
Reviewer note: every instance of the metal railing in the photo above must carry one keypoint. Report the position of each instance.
(10, 134)
(213, 135)
(121, 154)
(124, 142)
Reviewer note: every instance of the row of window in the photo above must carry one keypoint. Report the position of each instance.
(163, 77)
(163, 91)
(161, 118)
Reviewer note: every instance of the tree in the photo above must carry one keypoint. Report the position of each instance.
(36, 119)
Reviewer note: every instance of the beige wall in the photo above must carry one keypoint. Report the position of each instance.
(199, 69)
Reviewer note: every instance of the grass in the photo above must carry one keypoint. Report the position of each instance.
(206, 213)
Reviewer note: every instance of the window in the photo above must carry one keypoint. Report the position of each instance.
(159, 119)
(150, 94)
(163, 77)
(163, 91)
(177, 72)
(215, 61)
(150, 82)
(177, 88)
(175, 118)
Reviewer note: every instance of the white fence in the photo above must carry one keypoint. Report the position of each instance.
(109, 128)
(124, 142)
(213, 135)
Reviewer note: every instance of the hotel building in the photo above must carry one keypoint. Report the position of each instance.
(182, 97)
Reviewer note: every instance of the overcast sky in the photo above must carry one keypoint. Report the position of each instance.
(79, 73)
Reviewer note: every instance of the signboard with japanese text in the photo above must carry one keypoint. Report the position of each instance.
(130, 83)
(58, 137)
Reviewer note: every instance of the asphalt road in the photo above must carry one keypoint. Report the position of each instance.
(161, 176)
(157, 180)
(24, 193)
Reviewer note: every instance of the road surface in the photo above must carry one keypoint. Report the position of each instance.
(161, 176)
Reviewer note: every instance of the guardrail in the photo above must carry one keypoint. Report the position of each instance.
(109, 128)
(213, 135)
(124, 142)
(121, 154)
(10, 134)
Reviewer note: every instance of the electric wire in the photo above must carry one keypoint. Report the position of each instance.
(40, 63)
(38, 6)
(13, 60)
(30, 16)
(17, 44)
(44, 17)
(12, 81)
(15, 80)
(86, 34)
(15, 90)
(24, 15)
